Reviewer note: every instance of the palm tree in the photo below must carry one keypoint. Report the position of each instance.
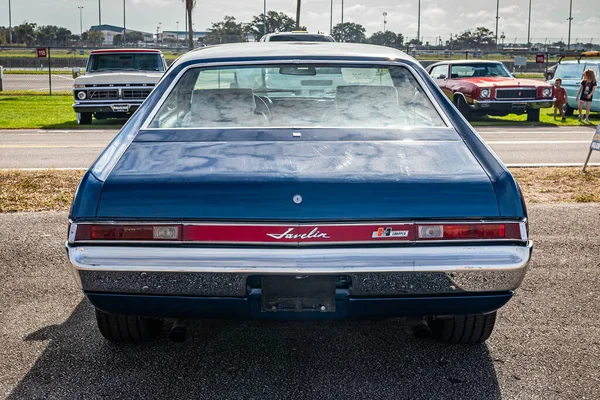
(189, 7)
(298, 5)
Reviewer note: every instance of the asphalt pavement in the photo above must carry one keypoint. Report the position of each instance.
(37, 82)
(546, 344)
(79, 148)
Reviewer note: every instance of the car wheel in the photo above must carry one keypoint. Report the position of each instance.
(463, 329)
(533, 114)
(127, 328)
(569, 110)
(84, 118)
(463, 108)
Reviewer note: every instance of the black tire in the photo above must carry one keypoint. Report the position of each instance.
(463, 329)
(463, 108)
(127, 328)
(533, 115)
(569, 110)
(84, 118)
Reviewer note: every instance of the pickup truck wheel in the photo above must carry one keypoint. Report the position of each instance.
(463, 108)
(127, 328)
(84, 118)
(533, 115)
(569, 110)
(463, 329)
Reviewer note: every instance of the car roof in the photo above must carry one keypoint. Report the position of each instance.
(583, 61)
(101, 51)
(458, 62)
(292, 50)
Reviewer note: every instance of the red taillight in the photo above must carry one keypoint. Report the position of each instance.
(469, 231)
(128, 232)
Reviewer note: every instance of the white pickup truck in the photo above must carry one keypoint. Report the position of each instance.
(116, 82)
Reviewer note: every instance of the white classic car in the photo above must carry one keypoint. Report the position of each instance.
(116, 82)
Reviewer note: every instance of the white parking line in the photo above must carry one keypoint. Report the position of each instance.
(537, 141)
(540, 165)
(51, 146)
(44, 169)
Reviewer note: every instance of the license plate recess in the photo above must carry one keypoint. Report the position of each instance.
(298, 293)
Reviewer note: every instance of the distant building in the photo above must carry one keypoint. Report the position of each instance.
(110, 31)
(181, 35)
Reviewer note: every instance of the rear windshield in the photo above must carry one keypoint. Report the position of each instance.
(569, 71)
(478, 71)
(300, 38)
(125, 61)
(297, 96)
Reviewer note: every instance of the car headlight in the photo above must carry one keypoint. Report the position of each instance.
(81, 95)
(485, 93)
(78, 86)
(547, 92)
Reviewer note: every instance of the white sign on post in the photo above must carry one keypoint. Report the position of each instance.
(520, 61)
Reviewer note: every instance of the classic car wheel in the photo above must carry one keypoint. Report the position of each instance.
(569, 110)
(127, 328)
(463, 108)
(533, 115)
(463, 329)
(84, 118)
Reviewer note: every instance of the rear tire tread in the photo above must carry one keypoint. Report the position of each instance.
(463, 329)
(127, 328)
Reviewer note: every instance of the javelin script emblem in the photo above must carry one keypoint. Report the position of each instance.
(314, 234)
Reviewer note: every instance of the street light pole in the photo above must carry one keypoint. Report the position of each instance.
(160, 29)
(264, 18)
(10, 23)
(497, 18)
(99, 13)
(123, 22)
(177, 22)
(570, 19)
(331, 18)
(80, 20)
(419, 24)
(384, 20)
(342, 21)
(529, 27)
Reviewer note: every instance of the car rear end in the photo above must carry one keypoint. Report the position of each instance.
(185, 217)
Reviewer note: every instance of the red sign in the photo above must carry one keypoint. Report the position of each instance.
(539, 58)
(41, 53)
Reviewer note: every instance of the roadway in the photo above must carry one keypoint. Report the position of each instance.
(37, 82)
(545, 345)
(79, 148)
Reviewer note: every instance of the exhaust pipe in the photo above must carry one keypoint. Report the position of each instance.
(178, 332)
(420, 327)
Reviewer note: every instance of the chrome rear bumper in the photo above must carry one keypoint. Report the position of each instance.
(374, 271)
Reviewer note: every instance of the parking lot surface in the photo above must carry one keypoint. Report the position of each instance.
(546, 344)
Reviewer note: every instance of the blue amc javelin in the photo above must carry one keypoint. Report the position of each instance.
(298, 181)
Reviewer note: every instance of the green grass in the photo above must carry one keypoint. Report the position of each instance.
(43, 112)
(530, 75)
(546, 119)
(36, 72)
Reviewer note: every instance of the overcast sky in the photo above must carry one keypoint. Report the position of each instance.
(438, 17)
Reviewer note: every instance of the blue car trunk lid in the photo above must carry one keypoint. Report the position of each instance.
(298, 181)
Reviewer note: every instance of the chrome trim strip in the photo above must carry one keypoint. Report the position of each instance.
(199, 64)
(307, 261)
(505, 101)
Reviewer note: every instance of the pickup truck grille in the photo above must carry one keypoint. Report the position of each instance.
(135, 93)
(516, 94)
(104, 94)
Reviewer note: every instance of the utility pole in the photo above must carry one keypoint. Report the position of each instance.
(343, 39)
(384, 20)
(570, 19)
(80, 20)
(419, 24)
(264, 18)
(177, 22)
(124, 23)
(160, 29)
(99, 13)
(331, 19)
(298, 6)
(497, 18)
(10, 23)
(529, 27)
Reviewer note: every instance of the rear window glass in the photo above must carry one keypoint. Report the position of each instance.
(297, 96)
(300, 38)
(569, 71)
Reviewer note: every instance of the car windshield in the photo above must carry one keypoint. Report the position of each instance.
(569, 71)
(478, 71)
(297, 96)
(303, 37)
(125, 61)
